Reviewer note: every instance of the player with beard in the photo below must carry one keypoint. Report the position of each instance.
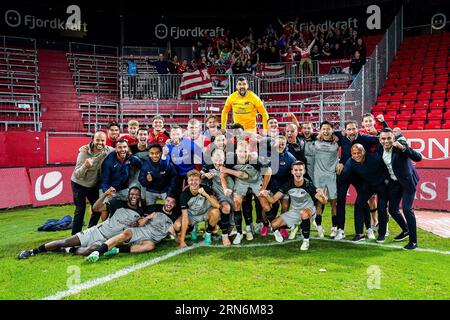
(346, 142)
(150, 230)
(368, 124)
(244, 105)
(85, 242)
(250, 172)
(112, 134)
(325, 166)
(85, 178)
(305, 197)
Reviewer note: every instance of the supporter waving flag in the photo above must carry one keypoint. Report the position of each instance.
(198, 81)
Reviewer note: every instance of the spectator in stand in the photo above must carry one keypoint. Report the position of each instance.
(356, 64)
(173, 65)
(336, 51)
(162, 67)
(274, 55)
(305, 53)
(315, 53)
(184, 67)
(289, 57)
(360, 47)
(326, 51)
(237, 67)
(158, 134)
(113, 134)
(132, 128)
(249, 67)
(269, 30)
(132, 77)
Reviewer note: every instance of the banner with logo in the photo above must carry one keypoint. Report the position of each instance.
(433, 145)
(334, 66)
(15, 188)
(51, 186)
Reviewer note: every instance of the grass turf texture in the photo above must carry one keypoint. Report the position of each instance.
(273, 272)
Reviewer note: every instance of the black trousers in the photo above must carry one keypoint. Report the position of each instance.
(132, 86)
(342, 189)
(397, 194)
(80, 194)
(364, 194)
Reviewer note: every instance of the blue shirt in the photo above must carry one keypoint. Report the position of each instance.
(116, 173)
(164, 176)
(132, 68)
(286, 159)
(182, 155)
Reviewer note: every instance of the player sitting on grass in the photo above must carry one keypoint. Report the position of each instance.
(197, 204)
(212, 174)
(85, 242)
(249, 175)
(305, 197)
(150, 230)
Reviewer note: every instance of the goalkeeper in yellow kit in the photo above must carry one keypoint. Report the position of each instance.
(245, 105)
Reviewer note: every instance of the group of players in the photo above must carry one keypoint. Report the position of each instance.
(214, 177)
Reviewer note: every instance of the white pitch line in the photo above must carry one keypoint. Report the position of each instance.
(99, 281)
(96, 282)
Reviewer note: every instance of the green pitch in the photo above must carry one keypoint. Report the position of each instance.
(329, 270)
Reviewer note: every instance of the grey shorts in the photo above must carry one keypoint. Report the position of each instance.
(140, 234)
(241, 187)
(151, 197)
(121, 195)
(90, 236)
(196, 218)
(327, 181)
(292, 217)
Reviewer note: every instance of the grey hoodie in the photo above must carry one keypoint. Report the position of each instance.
(88, 177)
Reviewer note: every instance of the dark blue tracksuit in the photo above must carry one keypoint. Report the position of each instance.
(164, 176)
(116, 173)
(404, 189)
(374, 177)
(367, 141)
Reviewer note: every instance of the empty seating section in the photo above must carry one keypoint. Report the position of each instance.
(416, 94)
(19, 90)
(94, 73)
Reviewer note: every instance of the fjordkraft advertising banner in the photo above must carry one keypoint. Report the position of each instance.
(51, 186)
(434, 145)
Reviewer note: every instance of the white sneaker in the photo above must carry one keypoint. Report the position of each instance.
(238, 238)
(370, 234)
(233, 232)
(278, 236)
(387, 231)
(374, 228)
(248, 233)
(333, 232)
(314, 222)
(339, 235)
(305, 245)
(293, 233)
(321, 231)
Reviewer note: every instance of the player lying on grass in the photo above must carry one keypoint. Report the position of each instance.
(197, 204)
(85, 242)
(305, 197)
(143, 238)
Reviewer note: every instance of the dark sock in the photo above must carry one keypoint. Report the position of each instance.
(73, 250)
(318, 220)
(102, 249)
(40, 249)
(224, 222)
(210, 228)
(306, 227)
(123, 248)
(334, 221)
(266, 223)
(238, 220)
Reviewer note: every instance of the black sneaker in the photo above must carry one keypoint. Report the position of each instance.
(25, 254)
(358, 238)
(381, 238)
(402, 236)
(410, 246)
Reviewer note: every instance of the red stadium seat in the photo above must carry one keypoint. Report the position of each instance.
(404, 115)
(419, 115)
(402, 125)
(417, 125)
(433, 125)
(435, 114)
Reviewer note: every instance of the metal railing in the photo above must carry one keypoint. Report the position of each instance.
(363, 91)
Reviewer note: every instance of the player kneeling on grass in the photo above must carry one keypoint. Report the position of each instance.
(150, 230)
(85, 242)
(197, 204)
(304, 199)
